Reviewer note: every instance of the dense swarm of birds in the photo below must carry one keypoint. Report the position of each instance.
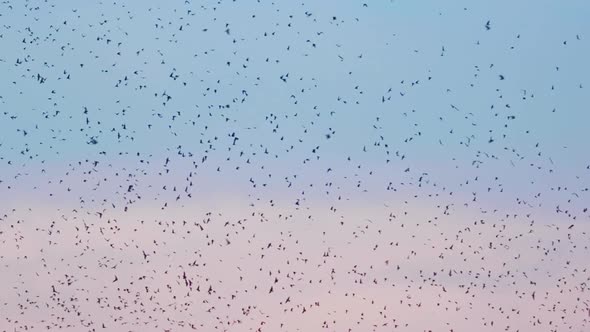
(286, 166)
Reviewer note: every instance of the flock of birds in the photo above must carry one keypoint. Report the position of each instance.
(274, 166)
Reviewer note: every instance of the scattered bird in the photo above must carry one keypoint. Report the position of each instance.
(220, 166)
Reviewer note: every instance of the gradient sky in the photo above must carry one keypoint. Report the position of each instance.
(388, 165)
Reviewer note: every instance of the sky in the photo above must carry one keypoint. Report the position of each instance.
(294, 166)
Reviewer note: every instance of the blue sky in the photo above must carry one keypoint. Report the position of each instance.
(416, 115)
